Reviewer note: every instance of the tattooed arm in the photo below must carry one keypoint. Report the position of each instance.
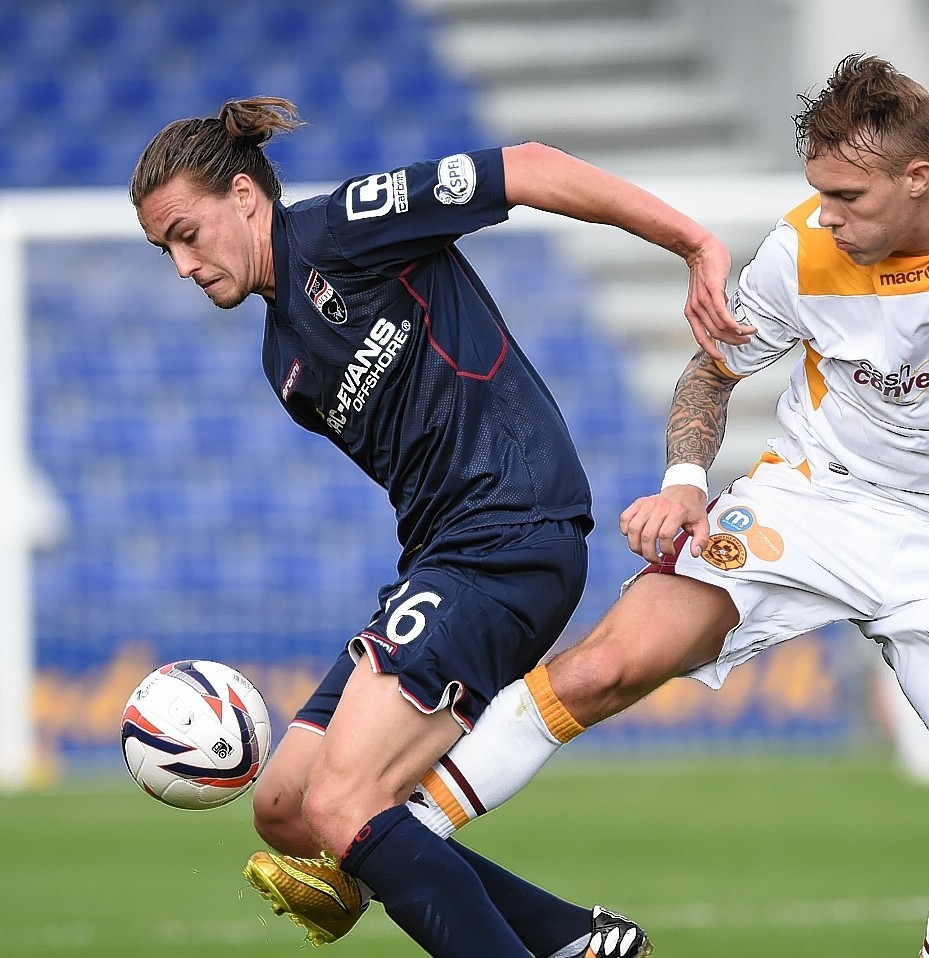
(696, 426)
(697, 419)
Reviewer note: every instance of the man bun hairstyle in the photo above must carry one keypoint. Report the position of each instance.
(867, 106)
(213, 150)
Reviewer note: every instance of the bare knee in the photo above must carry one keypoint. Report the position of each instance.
(270, 806)
(337, 805)
(278, 818)
(601, 678)
(277, 799)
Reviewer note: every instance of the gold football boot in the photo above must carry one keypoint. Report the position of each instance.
(314, 892)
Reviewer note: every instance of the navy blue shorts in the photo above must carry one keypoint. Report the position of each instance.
(469, 614)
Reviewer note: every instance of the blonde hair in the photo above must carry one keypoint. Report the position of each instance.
(870, 107)
(212, 150)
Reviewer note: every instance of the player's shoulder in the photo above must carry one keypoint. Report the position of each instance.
(304, 209)
(307, 226)
(303, 217)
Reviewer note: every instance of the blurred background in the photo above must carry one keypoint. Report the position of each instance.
(155, 503)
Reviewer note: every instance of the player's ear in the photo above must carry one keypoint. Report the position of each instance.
(244, 192)
(918, 173)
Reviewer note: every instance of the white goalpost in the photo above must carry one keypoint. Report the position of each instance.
(26, 516)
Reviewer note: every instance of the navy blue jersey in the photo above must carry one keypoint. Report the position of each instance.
(383, 339)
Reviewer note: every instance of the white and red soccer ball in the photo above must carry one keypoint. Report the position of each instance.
(195, 734)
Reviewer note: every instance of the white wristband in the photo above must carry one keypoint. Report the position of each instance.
(685, 474)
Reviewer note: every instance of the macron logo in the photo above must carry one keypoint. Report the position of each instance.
(905, 277)
(291, 381)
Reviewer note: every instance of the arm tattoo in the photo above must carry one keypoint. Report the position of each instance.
(697, 419)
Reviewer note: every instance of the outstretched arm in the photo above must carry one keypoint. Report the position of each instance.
(548, 179)
(696, 426)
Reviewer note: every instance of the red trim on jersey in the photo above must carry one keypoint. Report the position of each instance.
(309, 726)
(427, 319)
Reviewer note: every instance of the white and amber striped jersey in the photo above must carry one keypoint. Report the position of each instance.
(857, 399)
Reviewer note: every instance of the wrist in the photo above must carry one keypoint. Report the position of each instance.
(685, 474)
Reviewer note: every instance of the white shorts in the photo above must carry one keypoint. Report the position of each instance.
(795, 557)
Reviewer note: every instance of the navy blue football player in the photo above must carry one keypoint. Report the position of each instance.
(380, 337)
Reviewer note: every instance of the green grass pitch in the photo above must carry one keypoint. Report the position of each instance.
(804, 857)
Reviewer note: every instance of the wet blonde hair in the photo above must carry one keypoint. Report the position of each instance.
(867, 106)
(212, 150)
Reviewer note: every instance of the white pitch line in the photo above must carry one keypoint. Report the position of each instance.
(78, 937)
(791, 914)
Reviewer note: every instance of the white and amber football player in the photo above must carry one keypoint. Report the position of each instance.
(832, 522)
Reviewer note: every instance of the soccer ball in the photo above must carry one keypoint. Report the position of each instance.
(195, 734)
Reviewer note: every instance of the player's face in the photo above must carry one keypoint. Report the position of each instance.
(871, 214)
(208, 237)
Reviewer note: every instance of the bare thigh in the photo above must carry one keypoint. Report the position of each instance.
(375, 750)
(662, 626)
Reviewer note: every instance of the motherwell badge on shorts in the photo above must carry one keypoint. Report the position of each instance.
(326, 299)
(725, 552)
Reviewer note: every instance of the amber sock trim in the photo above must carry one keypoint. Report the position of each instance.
(559, 721)
(442, 795)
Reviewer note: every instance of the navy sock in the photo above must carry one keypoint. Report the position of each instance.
(543, 922)
(427, 889)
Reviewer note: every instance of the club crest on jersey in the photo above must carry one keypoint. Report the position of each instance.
(457, 179)
(724, 551)
(330, 304)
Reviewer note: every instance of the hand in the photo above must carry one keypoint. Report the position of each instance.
(706, 309)
(652, 523)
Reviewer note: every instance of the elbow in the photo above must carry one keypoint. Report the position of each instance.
(530, 150)
(525, 166)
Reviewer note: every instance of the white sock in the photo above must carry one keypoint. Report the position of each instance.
(507, 746)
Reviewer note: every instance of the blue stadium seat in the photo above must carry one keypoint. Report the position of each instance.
(364, 60)
(14, 29)
(96, 27)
